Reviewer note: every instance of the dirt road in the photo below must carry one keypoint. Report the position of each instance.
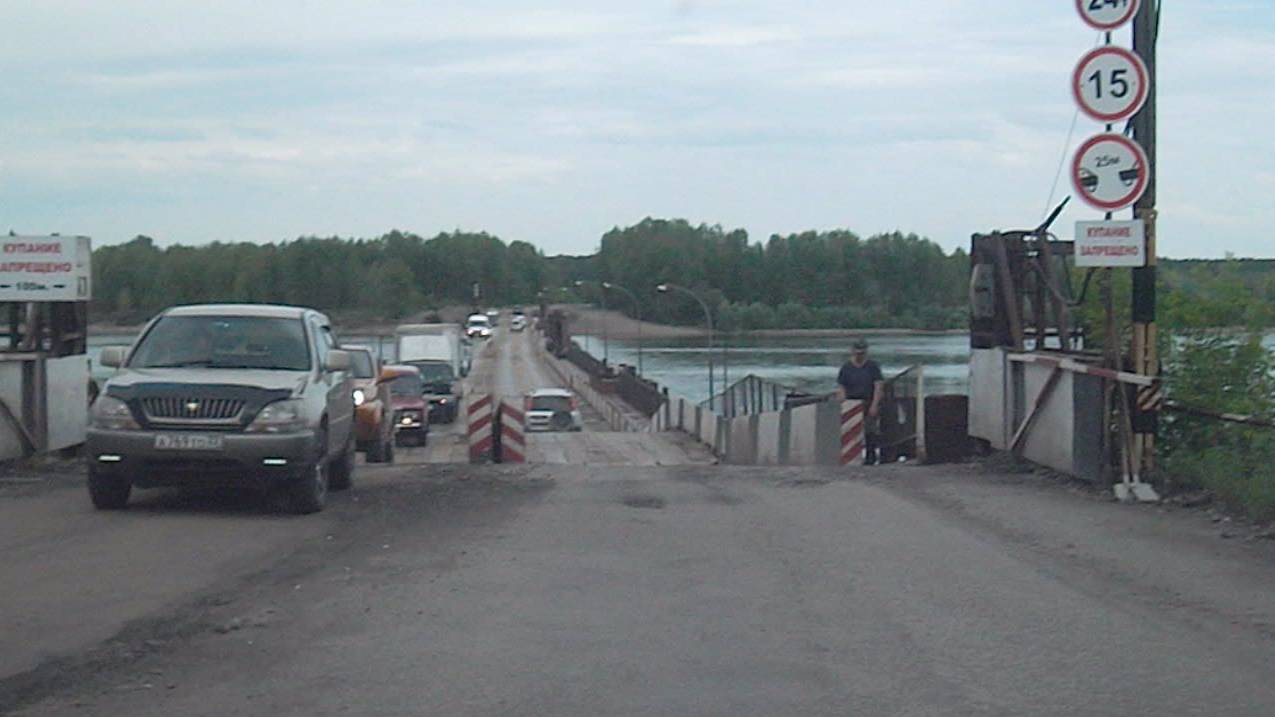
(687, 590)
(599, 589)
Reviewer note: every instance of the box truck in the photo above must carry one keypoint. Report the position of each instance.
(440, 353)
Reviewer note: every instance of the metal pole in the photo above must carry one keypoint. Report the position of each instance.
(1145, 359)
(637, 309)
(606, 333)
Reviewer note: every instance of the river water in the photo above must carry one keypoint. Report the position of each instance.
(805, 363)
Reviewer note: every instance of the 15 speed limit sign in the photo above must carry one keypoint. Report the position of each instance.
(1106, 15)
(1110, 171)
(1110, 84)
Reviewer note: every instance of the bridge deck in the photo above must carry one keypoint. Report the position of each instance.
(508, 365)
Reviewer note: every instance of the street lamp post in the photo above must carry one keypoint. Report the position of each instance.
(708, 317)
(637, 308)
(606, 332)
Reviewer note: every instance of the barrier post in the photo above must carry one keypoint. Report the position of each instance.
(852, 415)
(513, 441)
(478, 428)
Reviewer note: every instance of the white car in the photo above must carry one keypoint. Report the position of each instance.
(518, 322)
(552, 409)
(478, 326)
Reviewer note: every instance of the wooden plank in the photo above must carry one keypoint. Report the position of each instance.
(1039, 403)
(1009, 293)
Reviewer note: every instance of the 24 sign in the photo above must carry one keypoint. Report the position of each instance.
(1107, 15)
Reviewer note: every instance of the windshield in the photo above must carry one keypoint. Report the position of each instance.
(224, 342)
(550, 403)
(407, 385)
(361, 364)
(479, 322)
(435, 372)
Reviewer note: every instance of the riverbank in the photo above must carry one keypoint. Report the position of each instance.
(595, 322)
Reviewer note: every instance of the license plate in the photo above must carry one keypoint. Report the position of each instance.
(188, 442)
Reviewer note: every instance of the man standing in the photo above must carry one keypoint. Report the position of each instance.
(860, 379)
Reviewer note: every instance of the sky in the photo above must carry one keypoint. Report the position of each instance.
(554, 121)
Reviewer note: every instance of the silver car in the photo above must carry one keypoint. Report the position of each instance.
(552, 409)
(225, 393)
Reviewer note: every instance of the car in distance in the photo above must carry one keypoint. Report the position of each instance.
(225, 394)
(411, 409)
(373, 407)
(518, 322)
(478, 326)
(552, 409)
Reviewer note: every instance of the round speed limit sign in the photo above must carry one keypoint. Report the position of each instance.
(1110, 171)
(1110, 84)
(1106, 15)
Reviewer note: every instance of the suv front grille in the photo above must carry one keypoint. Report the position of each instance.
(189, 409)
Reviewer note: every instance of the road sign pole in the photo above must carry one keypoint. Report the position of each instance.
(1145, 354)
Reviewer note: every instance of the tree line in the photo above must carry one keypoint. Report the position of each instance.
(813, 279)
(393, 276)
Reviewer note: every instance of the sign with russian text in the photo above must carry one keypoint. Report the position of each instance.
(1111, 243)
(45, 268)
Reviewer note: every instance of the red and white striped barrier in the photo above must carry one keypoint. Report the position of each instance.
(513, 431)
(1076, 367)
(479, 421)
(852, 431)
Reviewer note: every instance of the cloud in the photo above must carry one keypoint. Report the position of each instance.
(554, 121)
(735, 37)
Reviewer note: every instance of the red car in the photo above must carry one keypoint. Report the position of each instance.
(411, 409)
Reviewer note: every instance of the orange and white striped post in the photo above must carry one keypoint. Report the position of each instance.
(478, 428)
(513, 442)
(852, 435)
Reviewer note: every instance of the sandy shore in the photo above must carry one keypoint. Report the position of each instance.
(592, 321)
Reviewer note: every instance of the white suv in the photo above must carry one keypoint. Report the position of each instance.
(553, 409)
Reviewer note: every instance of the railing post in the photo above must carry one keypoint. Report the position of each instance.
(920, 414)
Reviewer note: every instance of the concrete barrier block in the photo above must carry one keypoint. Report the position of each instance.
(742, 446)
(828, 433)
(769, 426)
(803, 436)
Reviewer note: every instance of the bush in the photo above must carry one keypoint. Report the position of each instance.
(1230, 373)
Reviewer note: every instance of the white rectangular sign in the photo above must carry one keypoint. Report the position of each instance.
(1122, 243)
(45, 268)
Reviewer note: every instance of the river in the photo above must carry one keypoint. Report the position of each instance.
(807, 363)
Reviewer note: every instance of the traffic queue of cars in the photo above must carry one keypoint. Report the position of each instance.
(266, 396)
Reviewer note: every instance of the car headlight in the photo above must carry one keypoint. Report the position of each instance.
(359, 397)
(279, 417)
(112, 414)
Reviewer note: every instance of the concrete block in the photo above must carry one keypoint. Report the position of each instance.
(768, 428)
(742, 446)
(803, 436)
(828, 433)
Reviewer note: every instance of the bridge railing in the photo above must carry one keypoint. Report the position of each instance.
(753, 394)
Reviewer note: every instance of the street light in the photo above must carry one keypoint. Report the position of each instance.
(708, 317)
(606, 333)
(637, 309)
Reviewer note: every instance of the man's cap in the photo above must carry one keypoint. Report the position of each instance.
(860, 343)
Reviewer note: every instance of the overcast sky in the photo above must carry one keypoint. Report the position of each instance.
(556, 120)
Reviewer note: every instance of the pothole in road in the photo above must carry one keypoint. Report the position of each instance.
(644, 501)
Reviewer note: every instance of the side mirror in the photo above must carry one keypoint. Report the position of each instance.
(112, 356)
(337, 360)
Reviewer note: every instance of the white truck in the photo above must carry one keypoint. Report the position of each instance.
(441, 354)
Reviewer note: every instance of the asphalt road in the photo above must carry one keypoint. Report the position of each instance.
(693, 590)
